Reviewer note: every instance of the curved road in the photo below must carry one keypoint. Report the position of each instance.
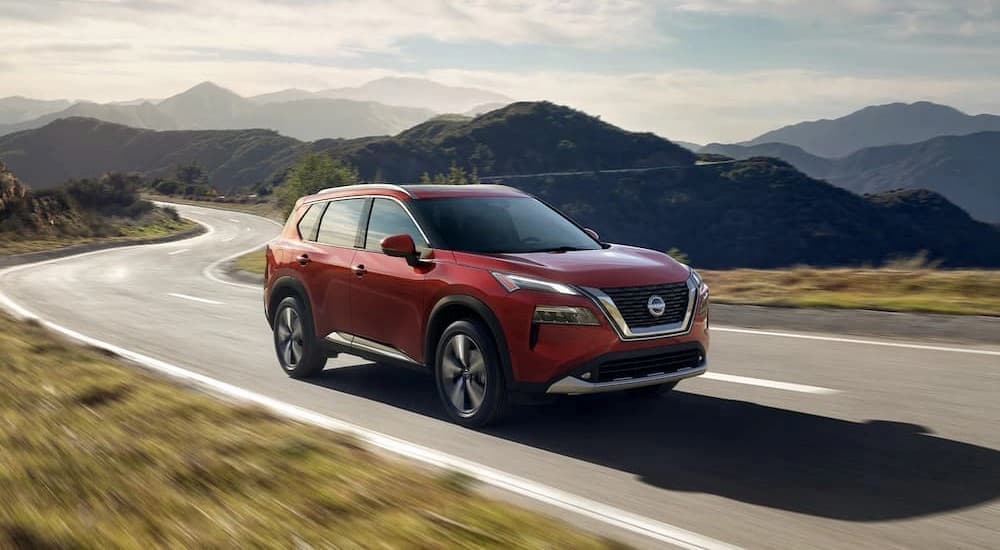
(793, 442)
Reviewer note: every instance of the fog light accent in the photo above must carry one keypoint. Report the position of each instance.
(565, 315)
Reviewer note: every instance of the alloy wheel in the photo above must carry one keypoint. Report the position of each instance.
(464, 377)
(290, 340)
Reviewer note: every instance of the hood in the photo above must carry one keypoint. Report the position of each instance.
(615, 266)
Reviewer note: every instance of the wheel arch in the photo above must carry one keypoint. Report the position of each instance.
(286, 287)
(453, 308)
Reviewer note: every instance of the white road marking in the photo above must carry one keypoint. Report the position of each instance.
(788, 386)
(228, 240)
(855, 341)
(194, 299)
(209, 271)
(234, 220)
(656, 530)
(176, 252)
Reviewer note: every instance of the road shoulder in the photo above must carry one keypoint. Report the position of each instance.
(923, 327)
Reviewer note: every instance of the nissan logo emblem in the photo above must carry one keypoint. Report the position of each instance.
(656, 306)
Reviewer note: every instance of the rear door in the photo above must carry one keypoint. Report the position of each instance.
(326, 266)
(388, 295)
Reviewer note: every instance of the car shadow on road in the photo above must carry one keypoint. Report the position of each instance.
(868, 471)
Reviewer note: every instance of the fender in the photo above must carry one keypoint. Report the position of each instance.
(486, 314)
(282, 283)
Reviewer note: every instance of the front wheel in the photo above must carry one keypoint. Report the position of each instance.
(299, 354)
(468, 373)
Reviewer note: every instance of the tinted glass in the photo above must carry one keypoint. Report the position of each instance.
(389, 218)
(340, 222)
(309, 222)
(500, 224)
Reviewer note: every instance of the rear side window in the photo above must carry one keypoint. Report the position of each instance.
(309, 223)
(340, 222)
(389, 218)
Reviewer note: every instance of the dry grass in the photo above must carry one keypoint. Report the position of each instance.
(899, 287)
(94, 454)
(251, 263)
(161, 227)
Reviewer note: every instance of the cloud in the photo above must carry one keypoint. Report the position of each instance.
(896, 17)
(306, 27)
(118, 50)
(703, 106)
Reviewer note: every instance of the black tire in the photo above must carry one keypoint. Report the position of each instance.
(454, 376)
(653, 392)
(299, 353)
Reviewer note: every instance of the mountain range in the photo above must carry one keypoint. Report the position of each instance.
(761, 212)
(958, 167)
(381, 107)
(877, 125)
(401, 91)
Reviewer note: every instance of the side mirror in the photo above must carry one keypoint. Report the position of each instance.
(593, 234)
(400, 246)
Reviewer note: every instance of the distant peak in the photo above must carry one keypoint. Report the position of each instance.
(208, 87)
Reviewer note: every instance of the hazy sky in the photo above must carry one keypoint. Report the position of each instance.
(698, 70)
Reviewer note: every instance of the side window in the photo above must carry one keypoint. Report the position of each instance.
(309, 222)
(340, 222)
(389, 218)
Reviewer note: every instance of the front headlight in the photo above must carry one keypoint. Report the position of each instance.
(565, 315)
(695, 278)
(514, 283)
(701, 292)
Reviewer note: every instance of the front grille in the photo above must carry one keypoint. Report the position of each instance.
(647, 365)
(632, 303)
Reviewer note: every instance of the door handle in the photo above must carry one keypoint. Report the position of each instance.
(303, 259)
(359, 270)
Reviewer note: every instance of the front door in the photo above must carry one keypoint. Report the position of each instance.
(388, 295)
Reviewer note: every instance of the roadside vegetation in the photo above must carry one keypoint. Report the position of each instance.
(95, 454)
(252, 262)
(312, 173)
(88, 210)
(901, 287)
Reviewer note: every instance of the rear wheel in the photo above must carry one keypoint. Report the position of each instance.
(299, 354)
(653, 391)
(469, 377)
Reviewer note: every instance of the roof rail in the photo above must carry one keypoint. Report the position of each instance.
(391, 186)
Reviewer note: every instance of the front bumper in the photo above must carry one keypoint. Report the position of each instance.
(574, 386)
(635, 369)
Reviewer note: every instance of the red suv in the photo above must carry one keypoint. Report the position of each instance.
(492, 290)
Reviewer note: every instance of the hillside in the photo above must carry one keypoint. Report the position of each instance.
(521, 138)
(958, 167)
(895, 123)
(83, 147)
(208, 106)
(760, 212)
(764, 213)
(78, 211)
(813, 165)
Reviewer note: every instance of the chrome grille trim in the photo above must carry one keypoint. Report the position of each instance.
(614, 316)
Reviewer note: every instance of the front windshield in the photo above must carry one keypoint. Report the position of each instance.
(493, 225)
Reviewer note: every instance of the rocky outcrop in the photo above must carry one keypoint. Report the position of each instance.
(12, 192)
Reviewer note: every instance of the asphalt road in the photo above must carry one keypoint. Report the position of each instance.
(794, 442)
